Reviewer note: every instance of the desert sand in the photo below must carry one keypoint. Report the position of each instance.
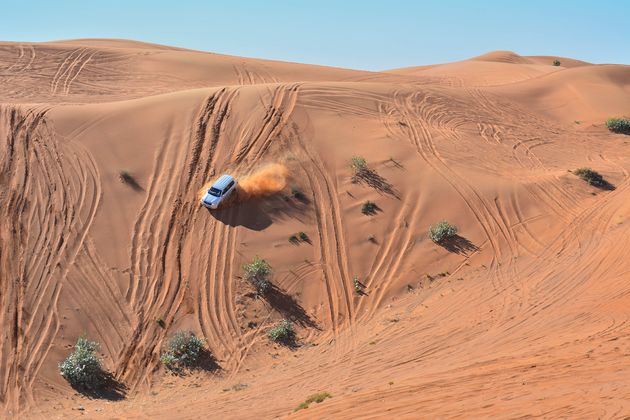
(525, 315)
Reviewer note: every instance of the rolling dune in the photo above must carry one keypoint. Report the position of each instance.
(523, 314)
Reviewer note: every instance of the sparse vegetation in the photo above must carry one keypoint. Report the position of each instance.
(182, 351)
(282, 333)
(593, 178)
(125, 176)
(372, 238)
(358, 287)
(618, 125)
(358, 164)
(257, 273)
(442, 231)
(296, 238)
(556, 63)
(369, 208)
(82, 367)
(315, 398)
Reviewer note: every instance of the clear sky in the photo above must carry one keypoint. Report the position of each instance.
(367, 34)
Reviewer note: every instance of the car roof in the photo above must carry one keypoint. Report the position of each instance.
(222, 182)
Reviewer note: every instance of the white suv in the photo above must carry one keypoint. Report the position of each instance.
(219, 192)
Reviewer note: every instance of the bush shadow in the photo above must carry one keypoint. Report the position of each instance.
(372, 179)
(128, 179)
(360, 290)
(458, 245)
(371, 210)
(207, 362)
(110, 389)
(289, 307)
(604, 185)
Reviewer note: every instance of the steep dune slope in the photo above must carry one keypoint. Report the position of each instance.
(523, 313)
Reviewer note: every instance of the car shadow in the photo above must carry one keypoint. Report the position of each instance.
(259, 213)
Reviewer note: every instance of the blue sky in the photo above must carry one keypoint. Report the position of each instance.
(372, 35)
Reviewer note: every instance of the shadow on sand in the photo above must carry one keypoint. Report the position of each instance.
(458, 245)
(289, 307)
(128, 179)
(110, 389)
(371, 178)
(259, 213)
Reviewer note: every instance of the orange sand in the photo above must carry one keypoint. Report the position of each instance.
(524, 315)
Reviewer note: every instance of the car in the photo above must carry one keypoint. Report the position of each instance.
(219, 192)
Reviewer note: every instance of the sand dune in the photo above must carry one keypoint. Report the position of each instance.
(523, 314)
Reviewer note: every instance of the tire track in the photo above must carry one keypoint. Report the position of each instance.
(52, 201)
(157, 279)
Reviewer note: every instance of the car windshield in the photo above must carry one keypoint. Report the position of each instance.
(215, 192)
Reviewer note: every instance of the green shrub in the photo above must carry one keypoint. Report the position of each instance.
(257, 273)
(125, 176)
(182, 351)
(593, 178)
(556, 63)
(283, 332)
(83, 366)
(368, 208)
(358, 287)
(303, 236)
(443, 230)
(358, 164)
(618, 125)
(293, 239)
(315, 398)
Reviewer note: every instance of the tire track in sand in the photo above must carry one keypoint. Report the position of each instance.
(52, 201)
(157, 285)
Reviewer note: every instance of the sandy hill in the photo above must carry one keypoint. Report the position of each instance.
(493, 68)
(522, 313)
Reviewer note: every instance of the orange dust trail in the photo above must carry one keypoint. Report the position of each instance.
(268, 180)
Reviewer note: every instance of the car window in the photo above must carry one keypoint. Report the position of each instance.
(214, 191)
(228, 187)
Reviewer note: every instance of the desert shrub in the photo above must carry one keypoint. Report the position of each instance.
(283, 332)
(443, 230)
(593, 178)
(125, 176)
(257, 273)
(293, 239)
(556, 63)
(358, 287)
(618, 125)
(182, 351)
(372, 238)
(369, 208)
(83, 366)
(358, 164)
(315, 398)
(303, 236)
